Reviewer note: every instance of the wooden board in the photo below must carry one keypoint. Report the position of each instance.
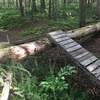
(78, 52)
(86, 60)
(83, 58)
(73, 48)
(61, 39)
(94, 66)
(65, 42)
(70, 45)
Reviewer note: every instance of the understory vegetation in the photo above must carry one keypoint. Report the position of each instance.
(37, 78)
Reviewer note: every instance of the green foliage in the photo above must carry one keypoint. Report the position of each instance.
(36, 31)
(33, 80)
(56, 85)
(10, 19)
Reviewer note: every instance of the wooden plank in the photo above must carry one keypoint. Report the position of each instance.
(96, 72)
(81, 55)
(93, 66)
(88, 61)
(70, 45)
(98, 78)
(78, 52)
(65, 42)
(89, 55)
(73, 48)
(61, 39)
(59, 36)
(56, 33)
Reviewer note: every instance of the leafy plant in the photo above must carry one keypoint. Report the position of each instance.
(56, 85)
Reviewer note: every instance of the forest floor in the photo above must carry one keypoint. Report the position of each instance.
(36, 30)
(92, 45)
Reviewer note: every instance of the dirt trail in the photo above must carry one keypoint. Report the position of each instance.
(14, 37)
(9, 36)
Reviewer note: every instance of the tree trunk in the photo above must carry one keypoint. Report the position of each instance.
(98, 8)
(33, 8)
(22, 51)
(4, 3)
(21, 3)
(50, 10)
(42, 6)
(17, 4)
(82, 12)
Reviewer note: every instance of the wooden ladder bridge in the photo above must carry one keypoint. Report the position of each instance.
(89, 63)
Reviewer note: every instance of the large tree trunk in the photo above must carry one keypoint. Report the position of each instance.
(22, 51)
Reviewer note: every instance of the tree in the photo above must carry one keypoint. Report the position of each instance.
(17, 4)
(50, 10)
(4, 3)
(98, 8)
(53, 9)
(21, 3)
(33, 8)
(82, 6)
(42, 6)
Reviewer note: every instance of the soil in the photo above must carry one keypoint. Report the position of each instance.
(93, 45)
(10, 36)
(14, 37)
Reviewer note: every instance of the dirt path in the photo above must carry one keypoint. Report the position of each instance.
(14, 37)
(9, 36)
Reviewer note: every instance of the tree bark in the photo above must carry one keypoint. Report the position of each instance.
(22, 9)
(82, 6)
(98, 8)
(50, 9)
(22, 51)
(42, 6)
(33, 11)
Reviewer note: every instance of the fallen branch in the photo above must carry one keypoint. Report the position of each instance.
(7, 85)
(22, 51)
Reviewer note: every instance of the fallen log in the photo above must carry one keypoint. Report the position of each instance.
(84, 31)
(19, 52)
(7, 85)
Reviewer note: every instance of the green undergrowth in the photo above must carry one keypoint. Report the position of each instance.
(36, 80)
(10, 19)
